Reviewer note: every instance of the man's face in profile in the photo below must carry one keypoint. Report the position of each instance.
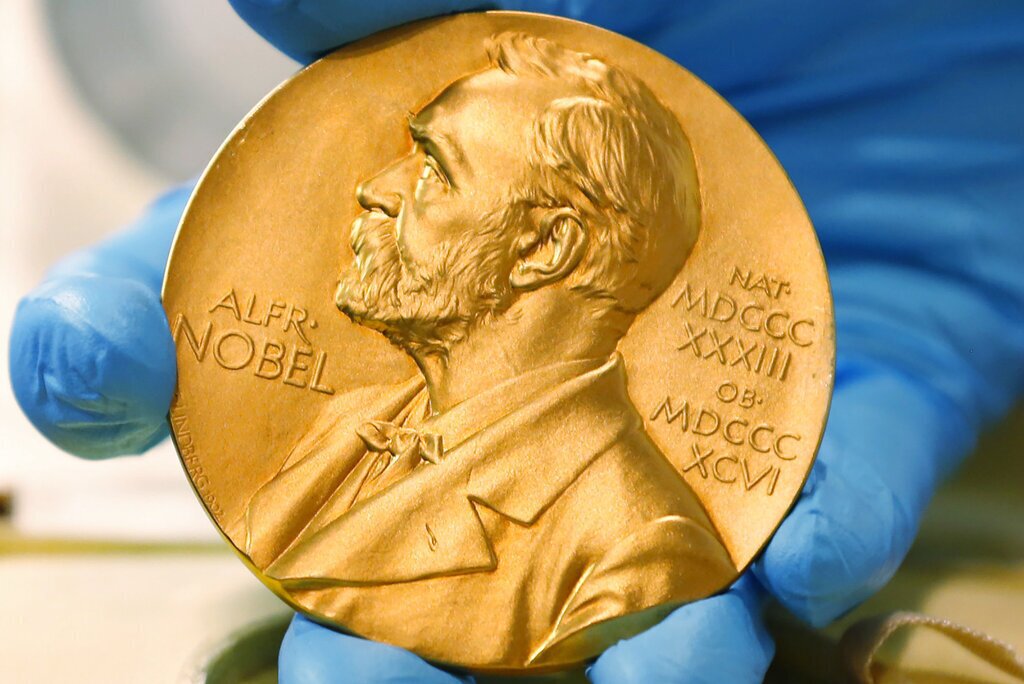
(435, 245)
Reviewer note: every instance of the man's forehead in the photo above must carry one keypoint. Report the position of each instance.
(488, 97)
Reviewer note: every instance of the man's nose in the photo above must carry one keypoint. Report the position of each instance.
(377, 193)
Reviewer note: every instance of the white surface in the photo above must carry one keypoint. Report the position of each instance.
(144, 498)
(114, 619)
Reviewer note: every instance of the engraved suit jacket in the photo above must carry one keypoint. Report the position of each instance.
(551, 522)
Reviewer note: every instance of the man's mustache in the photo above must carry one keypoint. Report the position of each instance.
(372, 232)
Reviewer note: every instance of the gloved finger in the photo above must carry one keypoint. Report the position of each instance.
(311, 654)
(887, 444)
(719, 639)
(92, 361)
(307, 29)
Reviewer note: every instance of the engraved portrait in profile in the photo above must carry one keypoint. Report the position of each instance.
(509, 491)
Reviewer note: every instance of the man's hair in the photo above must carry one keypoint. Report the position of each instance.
(613, 152)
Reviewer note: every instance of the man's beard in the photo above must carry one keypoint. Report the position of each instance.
(426, 308)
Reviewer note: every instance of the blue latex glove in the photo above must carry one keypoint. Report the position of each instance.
(899, 124)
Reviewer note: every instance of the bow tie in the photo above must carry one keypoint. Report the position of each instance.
(401, 442)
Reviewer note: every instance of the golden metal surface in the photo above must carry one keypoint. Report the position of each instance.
(583, 357)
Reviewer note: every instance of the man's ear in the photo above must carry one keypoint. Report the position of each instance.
(553, 252)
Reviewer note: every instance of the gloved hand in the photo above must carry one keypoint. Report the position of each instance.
(899, 124)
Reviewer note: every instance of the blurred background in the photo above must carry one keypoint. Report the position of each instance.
(103, 104)
(110, 572)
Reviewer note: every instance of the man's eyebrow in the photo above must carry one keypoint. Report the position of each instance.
(437, 143)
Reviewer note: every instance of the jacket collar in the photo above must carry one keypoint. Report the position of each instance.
(515, 469)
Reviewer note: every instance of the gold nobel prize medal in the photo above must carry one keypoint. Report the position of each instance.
(499, 337)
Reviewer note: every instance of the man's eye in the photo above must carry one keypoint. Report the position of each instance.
(432, 172)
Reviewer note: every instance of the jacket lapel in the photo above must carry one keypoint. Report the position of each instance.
(426, 525)
(400, 535)
(316, 468)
